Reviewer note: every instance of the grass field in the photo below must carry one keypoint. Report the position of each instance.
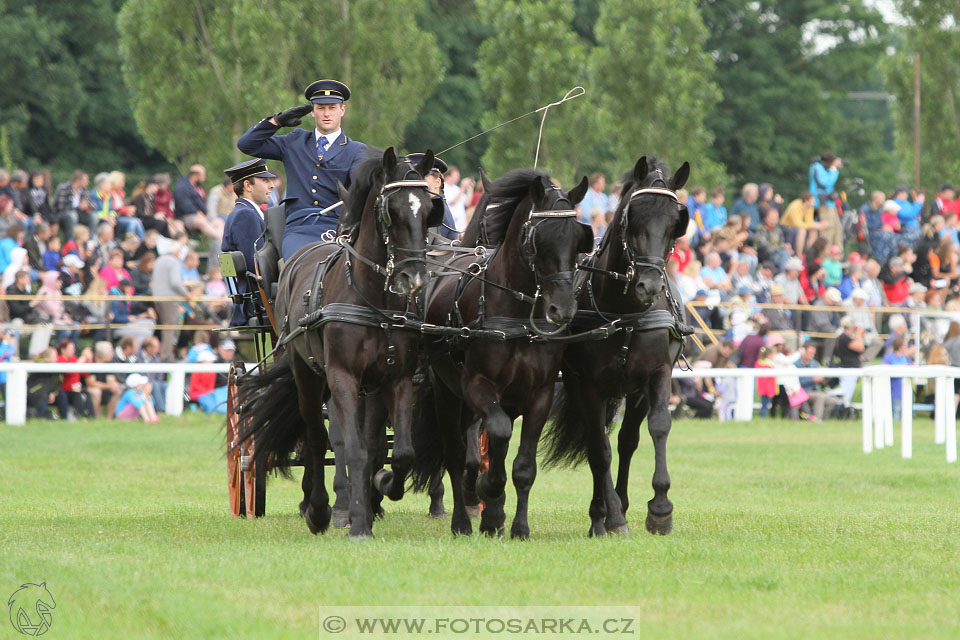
(781, 531)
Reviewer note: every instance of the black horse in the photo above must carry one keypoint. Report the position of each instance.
(627, 282)
(494, 372)
(342, 307)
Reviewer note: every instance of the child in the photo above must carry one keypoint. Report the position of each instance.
(714, 213)
(766, 387)
(899, 354)
(51, 257)
(136, 400)
(833, 267)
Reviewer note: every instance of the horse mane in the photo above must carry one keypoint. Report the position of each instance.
(509, 189)
(365, 175)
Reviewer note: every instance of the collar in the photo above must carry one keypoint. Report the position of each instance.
(254, 205)
(331, 137)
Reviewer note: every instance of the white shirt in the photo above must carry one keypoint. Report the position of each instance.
(330, 137)
(459, 209)
(254, 205)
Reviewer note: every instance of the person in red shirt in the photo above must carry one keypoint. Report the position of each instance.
(682, 253)
(71, 390)
(896, 284)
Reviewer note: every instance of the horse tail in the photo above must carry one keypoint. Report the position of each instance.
(427, 439)
(270, 413)
(567, 435)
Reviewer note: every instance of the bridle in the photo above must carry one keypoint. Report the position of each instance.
(384, 222)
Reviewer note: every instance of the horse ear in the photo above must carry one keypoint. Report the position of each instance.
(389, 162)
(484, 180)
(426, 163)
(680, 177)
(586, 242)
(640, 169)
(437, 213)
(680, 228)
(537, 190)
(576, 194)
(342, 192)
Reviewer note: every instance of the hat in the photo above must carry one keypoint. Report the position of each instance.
(890, 207)
(916, 287)
(206, 356)
(859, 294)
(327, 92)
(836, 249)
(700, 292)
(776, 290)
(833, 295)
(136, 379)
(793, 264)
(438, 164)
(947, 186)
(775, 339)
(228, 344)
(256, 168)
(72, 260)
(744, 290)
(855, 258)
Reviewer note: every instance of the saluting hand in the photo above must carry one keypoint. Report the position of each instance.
(292, 116)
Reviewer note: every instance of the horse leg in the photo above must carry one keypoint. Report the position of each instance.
(483, 399)
(660, 509)
(627, 443)
(448, 414)
(374, 424)
(307, 482)
(341, 484)
(316, 511)
(436, 496)
(471, 466)
(525, 464)
(345, 409)
(390, 482)
(605, 504)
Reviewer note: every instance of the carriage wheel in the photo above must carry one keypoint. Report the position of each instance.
(242, 498)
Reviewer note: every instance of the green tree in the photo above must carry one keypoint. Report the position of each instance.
(533, 58)
(454, 109)
(652, 81)
(932, 32)
(64, 104)
(201, 74)
(786, 68)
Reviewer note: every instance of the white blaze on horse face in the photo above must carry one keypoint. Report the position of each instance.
(414, 205)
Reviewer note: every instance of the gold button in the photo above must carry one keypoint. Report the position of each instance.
(318, 165)
(315, 202)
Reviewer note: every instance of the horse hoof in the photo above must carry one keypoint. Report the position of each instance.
(360, 537)
(438, 515)
(341, 518)
(659, 525)
(473, 510)
(303, 508)
(597, 531)
(378, 513)
(492, 532)
(621, 530)
(519, 533)
(318, 520)
(381, 478)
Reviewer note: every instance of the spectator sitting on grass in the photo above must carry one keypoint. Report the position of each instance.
(137, 400)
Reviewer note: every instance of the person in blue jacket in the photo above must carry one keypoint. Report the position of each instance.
(253, 183)
(313, 160)
(823, 174)
(434, 180)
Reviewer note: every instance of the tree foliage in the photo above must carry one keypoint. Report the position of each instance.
(652, 83)
(203, 72)
(785, 68)
(532, 59)
(63, 104)
(932, 33)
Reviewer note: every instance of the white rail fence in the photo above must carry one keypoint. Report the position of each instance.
(17, 372)
(876, 399)
(875, 392)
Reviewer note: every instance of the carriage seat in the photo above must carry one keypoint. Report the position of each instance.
(268, 256)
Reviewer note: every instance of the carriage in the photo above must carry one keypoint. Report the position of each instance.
(373, 287)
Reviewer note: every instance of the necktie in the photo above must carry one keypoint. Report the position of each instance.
(321, 146)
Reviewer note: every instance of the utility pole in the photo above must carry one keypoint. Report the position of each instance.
(916, 121)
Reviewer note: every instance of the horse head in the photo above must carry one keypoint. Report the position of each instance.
(650, 220)
(550, 241)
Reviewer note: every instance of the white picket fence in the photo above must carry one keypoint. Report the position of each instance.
(877, 404)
